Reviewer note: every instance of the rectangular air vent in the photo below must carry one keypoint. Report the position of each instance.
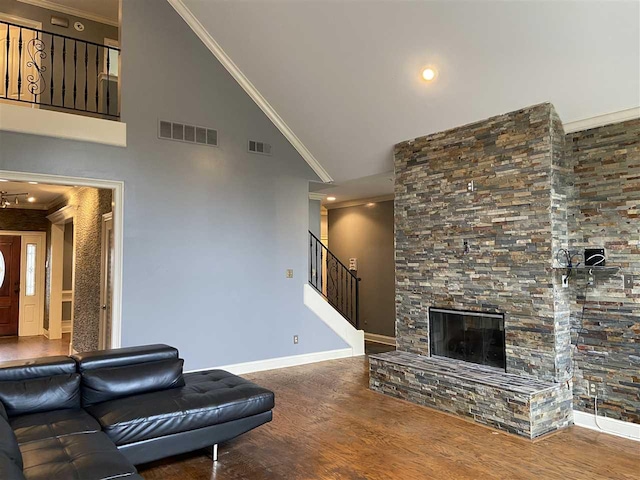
(182, 132)
(259, 147)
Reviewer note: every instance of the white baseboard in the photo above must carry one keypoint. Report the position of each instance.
(66, 326)
(281, 362)
(377, 338)
(611, 426)
(45, 333)
(329, 315)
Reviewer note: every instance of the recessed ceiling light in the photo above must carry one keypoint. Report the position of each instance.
(33, 183)
(31, 199)
(331, 199)
(429, 73)
(370, 204)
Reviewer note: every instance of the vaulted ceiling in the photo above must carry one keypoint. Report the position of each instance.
(346, 76)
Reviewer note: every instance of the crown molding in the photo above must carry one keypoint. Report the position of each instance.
(602, 120)
(317, 196)
(76, 12)
(360, 201)
(248, 87)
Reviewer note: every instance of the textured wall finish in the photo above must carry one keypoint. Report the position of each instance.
(91, 204)
(606, 165)
(512, 160)
(23, 220)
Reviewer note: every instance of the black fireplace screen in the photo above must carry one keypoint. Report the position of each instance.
(470, 336)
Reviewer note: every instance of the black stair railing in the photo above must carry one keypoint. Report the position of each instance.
(58, 72)
(334, 281)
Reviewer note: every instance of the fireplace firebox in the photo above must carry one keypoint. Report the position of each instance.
(475, 337)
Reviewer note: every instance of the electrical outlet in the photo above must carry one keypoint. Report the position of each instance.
(295, 339)
(289, 273)
(627, 280)
(565, 281)
(593, 389)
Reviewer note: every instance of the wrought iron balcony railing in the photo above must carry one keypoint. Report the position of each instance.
(56, 72)
(334, 281)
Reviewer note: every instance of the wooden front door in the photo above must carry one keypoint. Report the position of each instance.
(9, 284)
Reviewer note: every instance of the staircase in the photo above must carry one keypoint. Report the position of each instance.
(333, 280)
(332, 294)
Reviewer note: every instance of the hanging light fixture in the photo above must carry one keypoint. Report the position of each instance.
(6, 199)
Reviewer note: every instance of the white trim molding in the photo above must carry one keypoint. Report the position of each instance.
(316, 196)
(329, 315)
(76, 12)
(607, 425)
(248, 87)
(360, 201)
(602, 120)
(118, 231)
(37, 121)
(281, 362)
(377, 338)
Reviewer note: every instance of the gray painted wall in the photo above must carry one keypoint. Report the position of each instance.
(208, 232)
(314, 217)
(366, 233)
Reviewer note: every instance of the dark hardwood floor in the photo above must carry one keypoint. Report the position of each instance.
(15, 348)
(328, 425)
(371, 348)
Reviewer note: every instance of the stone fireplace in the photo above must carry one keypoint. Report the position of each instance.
(479, 211)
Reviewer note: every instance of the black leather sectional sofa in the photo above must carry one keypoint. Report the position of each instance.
(95, 415)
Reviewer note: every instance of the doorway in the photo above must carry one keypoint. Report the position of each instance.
(90, 302)
(22, 282)
(9, 284)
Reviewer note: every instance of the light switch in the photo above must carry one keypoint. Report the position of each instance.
(353, 264)
(289, 273)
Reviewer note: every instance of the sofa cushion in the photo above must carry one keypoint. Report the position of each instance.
(106, 384)
(58, 423)
(36, 368)
(89, 456)
(9, 470)
(208, 398)
(40, 394)
(9, 443)
(123, 356)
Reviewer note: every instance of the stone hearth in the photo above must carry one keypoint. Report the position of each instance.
(517, 404)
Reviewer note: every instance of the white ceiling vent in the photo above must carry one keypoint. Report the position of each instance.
(259, 147)
(182, 132)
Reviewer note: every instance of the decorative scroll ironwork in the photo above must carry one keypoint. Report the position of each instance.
(35, 50)
(331, 278)
(53, 70)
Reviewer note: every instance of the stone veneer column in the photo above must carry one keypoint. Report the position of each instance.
(510, 220)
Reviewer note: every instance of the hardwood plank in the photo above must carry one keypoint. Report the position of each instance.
(328, 425)
(16, 348)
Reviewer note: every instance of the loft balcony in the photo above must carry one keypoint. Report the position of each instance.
(50, 71)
